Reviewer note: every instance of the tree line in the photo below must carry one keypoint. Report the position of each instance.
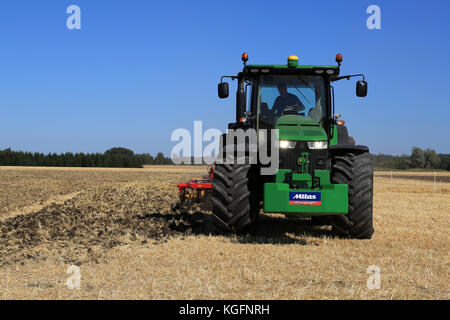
(113, 158)
(125, 158)
(419, 159)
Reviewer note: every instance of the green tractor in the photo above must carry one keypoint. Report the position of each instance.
(321, 173)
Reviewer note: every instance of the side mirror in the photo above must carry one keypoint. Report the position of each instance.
(223, 90)
(361, 88)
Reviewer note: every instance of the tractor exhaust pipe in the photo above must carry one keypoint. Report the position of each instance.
(240, 98)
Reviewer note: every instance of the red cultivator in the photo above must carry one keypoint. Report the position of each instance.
(197, 191)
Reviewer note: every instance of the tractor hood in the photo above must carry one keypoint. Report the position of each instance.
(299, 128)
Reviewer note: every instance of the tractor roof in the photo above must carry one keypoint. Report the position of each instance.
(257, 69)
(292, 67)
(283, 66)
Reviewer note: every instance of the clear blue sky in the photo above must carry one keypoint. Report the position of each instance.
(139, 69)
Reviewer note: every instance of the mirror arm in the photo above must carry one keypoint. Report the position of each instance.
(348, 77)
(231, 77)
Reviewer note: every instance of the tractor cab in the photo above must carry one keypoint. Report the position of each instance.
(272, 95)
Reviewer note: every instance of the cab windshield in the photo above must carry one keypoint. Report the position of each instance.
(280, 95)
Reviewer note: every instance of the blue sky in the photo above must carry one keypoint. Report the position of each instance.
(139, 69)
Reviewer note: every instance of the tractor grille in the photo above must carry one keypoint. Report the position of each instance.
(318, 159)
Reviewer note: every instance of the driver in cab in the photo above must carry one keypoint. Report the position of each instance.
(285, 99)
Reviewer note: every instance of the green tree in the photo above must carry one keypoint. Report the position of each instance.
(432, 159)
(119, 151)
(417, 158)
(403, 162)
(160, 159)
(445, 161)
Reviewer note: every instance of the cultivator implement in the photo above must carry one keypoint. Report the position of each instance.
(197, 191)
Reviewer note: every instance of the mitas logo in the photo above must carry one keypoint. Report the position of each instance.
(302, 196)
(305, 198)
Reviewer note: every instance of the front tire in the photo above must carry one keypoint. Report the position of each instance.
(233, 207)
(355, 170)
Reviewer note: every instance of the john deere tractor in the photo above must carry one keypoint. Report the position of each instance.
(321, 173)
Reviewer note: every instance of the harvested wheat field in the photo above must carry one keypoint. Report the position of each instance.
(120, 227)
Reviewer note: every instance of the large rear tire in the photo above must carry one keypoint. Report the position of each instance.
(233, 207)
(355, 170)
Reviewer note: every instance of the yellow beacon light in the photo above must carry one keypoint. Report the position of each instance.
(292, 61)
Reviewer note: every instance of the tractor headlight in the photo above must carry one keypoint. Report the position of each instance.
(317, 145)
(285, 144)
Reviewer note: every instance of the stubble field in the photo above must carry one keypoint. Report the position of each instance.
(120, 228)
